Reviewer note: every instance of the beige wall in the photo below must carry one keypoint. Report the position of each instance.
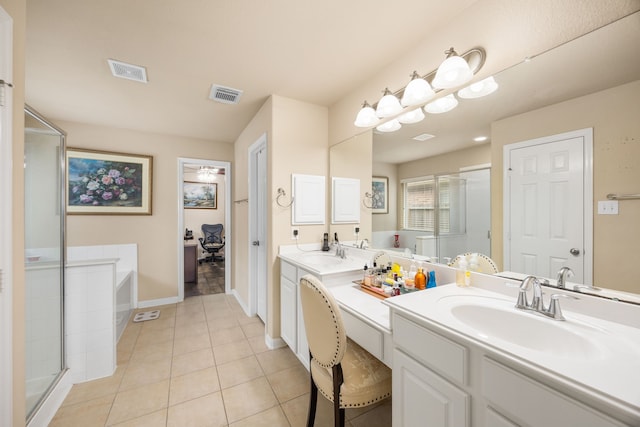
(299, 145)
(296, 143)
(17, 10)
(154, 234)
(352, 159)
(614, 116)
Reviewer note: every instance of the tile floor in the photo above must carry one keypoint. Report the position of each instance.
(203, 363)
(210, 279)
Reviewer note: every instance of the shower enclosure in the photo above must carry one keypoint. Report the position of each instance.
(44, 190)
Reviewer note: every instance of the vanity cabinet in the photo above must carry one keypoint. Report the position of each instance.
(291, 319)
(443, 379)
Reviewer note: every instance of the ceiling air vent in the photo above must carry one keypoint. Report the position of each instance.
(128, 71)
(226, 95)
(423, 137)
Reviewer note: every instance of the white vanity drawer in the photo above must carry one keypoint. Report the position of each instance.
(288, 271)
(521, 399)
(365, 335)
(431, 349)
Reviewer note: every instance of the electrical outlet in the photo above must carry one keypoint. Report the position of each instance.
(356, 231)
(295, 233)
(607, 207)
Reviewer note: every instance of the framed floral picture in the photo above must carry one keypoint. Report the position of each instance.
(380, 195)
(200, 195)
(108, 183)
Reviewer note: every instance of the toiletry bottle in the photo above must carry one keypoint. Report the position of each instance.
(431, 282)
(463, 276)
(473, 262)
(367, 277)
(420, 279)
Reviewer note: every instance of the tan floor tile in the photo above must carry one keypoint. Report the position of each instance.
(222, 323)
(154, 336)
(258, 345)
(273, 417)
(96, 388)
(243, 319)
(297, 411)
(248, 399)
(216, 312)
(122, 357)
(193, 385)
(253, 330)
(165, 321)
(182, 345)
(139, 401)
(88, 413)
(277, 360)
(154, 419)
(151, 352)
(239, 371)
(189, 318)
(192, 329)
(232, 351)
(290, 383)
(194, 361)
(214, 298)
(202, 412)
(227, 335)
(380, 416)
(142, 373)
(189, 309)
(196, 299)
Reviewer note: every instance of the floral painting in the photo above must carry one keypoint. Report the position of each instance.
(108, 183)
(200, 195)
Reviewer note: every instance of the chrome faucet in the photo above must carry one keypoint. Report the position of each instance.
(537, 303)
(364, 244)
(563, 273)
(341, 251)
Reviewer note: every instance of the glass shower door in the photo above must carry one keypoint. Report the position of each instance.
(44, 257)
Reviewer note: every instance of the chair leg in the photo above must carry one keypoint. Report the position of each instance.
(313, 401)
(338, 412)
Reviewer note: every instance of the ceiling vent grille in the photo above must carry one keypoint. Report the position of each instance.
(128, 71)
(226, 95)
(423, 137)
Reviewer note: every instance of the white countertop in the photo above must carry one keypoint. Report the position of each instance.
(610, 371)
(363, 305)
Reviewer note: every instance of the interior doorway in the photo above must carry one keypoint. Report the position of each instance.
(258, 227)
(204, 242)
(548, 199)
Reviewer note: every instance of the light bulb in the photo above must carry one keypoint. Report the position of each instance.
(414, 116)
(390, 126)
(442, 105)
(388, 106)
(479, 89)
(454, 71)
(417, 91)
(366, 116)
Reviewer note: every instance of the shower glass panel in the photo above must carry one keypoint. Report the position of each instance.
(44, 257)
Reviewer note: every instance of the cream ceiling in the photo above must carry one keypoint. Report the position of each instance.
(312, 51)
(328, 52)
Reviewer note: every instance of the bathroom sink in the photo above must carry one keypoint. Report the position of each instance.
(494, 319)
(320, 259)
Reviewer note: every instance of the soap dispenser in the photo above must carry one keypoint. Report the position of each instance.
(463, 276)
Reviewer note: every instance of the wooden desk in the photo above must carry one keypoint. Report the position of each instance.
(190, 263)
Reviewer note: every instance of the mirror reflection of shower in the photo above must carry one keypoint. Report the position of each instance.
(44, 255)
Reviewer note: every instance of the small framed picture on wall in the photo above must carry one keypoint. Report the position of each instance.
(380, 195)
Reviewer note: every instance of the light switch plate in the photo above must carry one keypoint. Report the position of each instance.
(607, 207)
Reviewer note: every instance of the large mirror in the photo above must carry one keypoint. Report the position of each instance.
(591, 82)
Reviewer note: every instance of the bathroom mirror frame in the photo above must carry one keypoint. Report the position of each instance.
(542, 96)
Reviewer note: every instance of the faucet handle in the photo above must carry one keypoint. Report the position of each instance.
(554, 310)
(522, 299)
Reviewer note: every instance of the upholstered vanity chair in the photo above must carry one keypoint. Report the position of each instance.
(344, 372)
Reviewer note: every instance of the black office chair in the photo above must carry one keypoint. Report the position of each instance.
(213, 240)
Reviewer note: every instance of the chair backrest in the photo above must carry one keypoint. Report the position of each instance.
(485, 264)
(323, 322)
(212, 233)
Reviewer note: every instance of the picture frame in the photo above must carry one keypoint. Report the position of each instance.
(380, 195)
(200, 195)
(108, 183)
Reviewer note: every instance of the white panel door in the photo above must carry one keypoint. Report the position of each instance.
(546, 208)
(258, 227)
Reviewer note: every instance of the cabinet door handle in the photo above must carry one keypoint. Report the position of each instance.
(256, 243)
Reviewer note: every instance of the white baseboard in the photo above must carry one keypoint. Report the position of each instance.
(52, 403)
(273, 343)
(157, 302)
(242, 304)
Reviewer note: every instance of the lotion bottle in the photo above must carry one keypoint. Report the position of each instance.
(463, 275)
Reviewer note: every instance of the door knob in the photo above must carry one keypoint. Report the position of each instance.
(574, 251)
(256, 243)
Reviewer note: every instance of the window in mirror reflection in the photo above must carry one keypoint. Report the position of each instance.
(421, 212)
